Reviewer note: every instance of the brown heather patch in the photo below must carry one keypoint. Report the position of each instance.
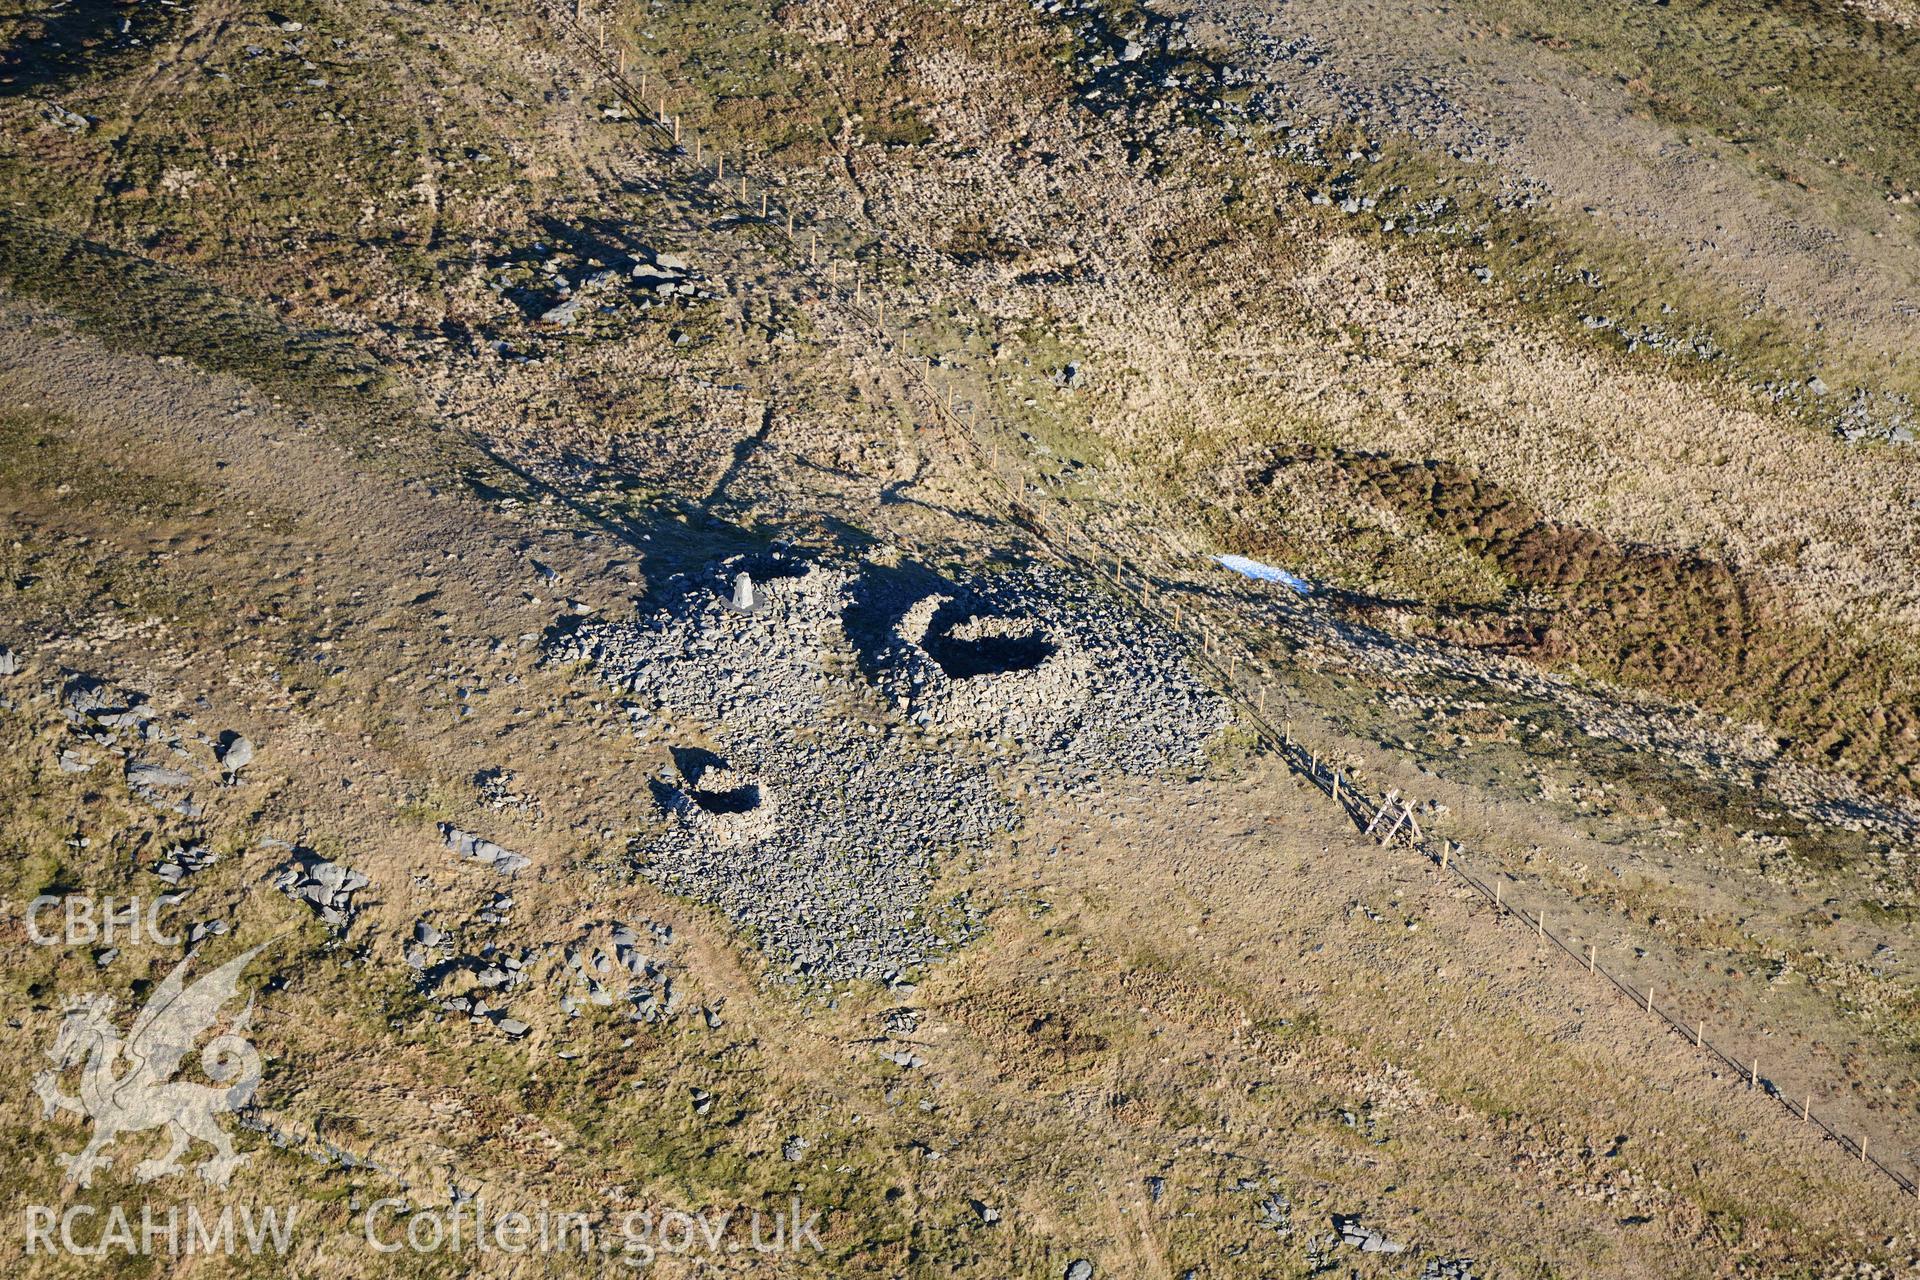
(1673, 622)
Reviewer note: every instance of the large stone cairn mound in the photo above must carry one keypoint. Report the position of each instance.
(814, 815)
(811, 827)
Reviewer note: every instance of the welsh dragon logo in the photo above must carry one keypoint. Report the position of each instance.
(127, 1086)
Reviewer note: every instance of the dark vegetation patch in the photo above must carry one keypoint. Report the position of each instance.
(43, 47)
(1672, 622)
(135, 303)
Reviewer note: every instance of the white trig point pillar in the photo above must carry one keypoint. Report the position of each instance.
(742, 593)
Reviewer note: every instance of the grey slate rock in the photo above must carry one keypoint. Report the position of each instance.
(1363, 1238)
(236, 751)
(468, 845)
(154, 775)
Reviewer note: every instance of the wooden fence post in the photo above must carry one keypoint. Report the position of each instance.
(1592, 959)
(1395, 829)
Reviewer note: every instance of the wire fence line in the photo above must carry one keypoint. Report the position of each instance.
(971, 432)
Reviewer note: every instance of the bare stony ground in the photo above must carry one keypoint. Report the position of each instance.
(386, 419)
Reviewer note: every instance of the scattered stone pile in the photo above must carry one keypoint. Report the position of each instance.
(327, 887)
(177, 864)
(427, 943)
(124, 724)
(95, 711)
(487, 979)
(606, 959)
(1363, 1238)
(1275, 1213)
(609, 966)
(497, 788)
(590, 285)
(108, 722)
(817, 829)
